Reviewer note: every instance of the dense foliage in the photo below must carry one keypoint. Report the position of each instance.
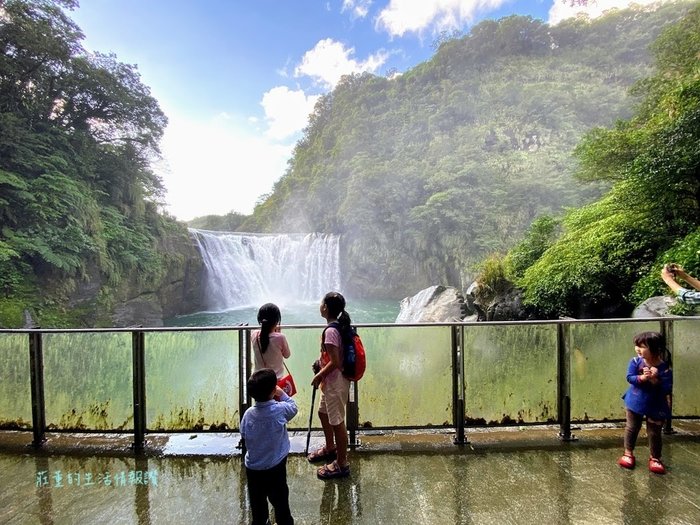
(427, 173)
(78, 199)
(430, 176)
(230, 222)
(611, 252)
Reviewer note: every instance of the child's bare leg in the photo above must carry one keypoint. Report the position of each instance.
(341, 438)
(328, 431)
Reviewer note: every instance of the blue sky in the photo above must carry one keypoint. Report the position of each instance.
(238, 78)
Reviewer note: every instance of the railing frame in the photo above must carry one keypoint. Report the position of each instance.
(564, 382)
(36, 365)
(138, 353)
(36, 368)
(458, 384)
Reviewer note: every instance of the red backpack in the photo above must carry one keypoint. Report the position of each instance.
(354, 358)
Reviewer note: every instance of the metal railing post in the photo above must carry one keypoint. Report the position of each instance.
(36, 368)
(243, 373)
(352, 415)
(138, 344)
(667, 332)
(564, 383)
(458, 404)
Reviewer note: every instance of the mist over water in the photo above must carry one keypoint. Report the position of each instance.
(294, 271)
(244, 270)
(294, 313)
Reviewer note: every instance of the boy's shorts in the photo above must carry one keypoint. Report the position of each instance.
(334, 398)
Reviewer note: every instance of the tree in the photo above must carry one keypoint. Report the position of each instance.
(78, 134)
(654, 161)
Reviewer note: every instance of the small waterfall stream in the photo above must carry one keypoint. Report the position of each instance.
(244, 269)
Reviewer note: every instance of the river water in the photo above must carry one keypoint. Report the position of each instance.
(295, 313)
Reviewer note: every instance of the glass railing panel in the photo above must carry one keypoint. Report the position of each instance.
(686, 367)
(15, 386)
(408, 382)
(191, 380)
(88, 381)
(510, 373)
(600, 353)
(305, 346)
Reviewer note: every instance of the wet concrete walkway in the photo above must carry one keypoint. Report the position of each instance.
(519, 476)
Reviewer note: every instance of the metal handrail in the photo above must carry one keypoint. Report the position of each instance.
(244, 363)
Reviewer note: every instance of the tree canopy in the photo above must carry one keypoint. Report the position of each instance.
(78, 132)
(612, 250)
(429, 172)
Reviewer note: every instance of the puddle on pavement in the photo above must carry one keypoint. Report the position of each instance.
(571, 486)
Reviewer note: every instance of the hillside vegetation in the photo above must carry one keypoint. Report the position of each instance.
(610, 253)
(563, 160)
(428, 173)
(80, 228)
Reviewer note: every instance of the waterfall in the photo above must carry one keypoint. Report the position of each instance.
(244, 269)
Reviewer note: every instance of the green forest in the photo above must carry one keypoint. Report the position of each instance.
(435, 176)
(562, 160)
(79, 202)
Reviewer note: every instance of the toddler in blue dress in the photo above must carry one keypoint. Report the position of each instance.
(651, 381)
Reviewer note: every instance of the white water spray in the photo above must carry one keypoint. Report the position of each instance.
(244, 269)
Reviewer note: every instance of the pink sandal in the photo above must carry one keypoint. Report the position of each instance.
(627, 461)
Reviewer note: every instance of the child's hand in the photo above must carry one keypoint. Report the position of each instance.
(278, 392)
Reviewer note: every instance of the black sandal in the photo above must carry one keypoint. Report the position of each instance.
(333, 470)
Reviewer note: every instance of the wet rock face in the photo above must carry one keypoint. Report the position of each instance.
(654, 307)
(504, 306)
(144, 310)
(137, 303)
(436, 304)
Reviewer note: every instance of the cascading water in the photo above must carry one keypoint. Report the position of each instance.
(244, 269)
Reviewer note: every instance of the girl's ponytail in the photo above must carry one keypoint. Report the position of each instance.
(269, 316)
(344, 319)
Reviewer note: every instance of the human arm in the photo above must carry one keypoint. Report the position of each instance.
(692, 281)
(633, 373)
(668, 276)
(288, 404)
(669, 272)
(284, 347)
(332, 347)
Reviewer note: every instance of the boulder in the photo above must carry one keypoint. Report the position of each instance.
(506, 305)
(655, 307)
(435, 304)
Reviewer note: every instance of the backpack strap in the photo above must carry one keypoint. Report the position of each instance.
(333, 324)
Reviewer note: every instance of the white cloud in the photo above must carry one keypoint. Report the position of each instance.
(286, 111)
(358, 8)
(329, 60)
(411, 16)
(561, 10)
(217, 166)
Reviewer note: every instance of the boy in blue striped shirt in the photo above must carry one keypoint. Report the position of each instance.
(264, 429)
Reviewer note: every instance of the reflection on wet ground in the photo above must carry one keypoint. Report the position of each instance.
(391, 483)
